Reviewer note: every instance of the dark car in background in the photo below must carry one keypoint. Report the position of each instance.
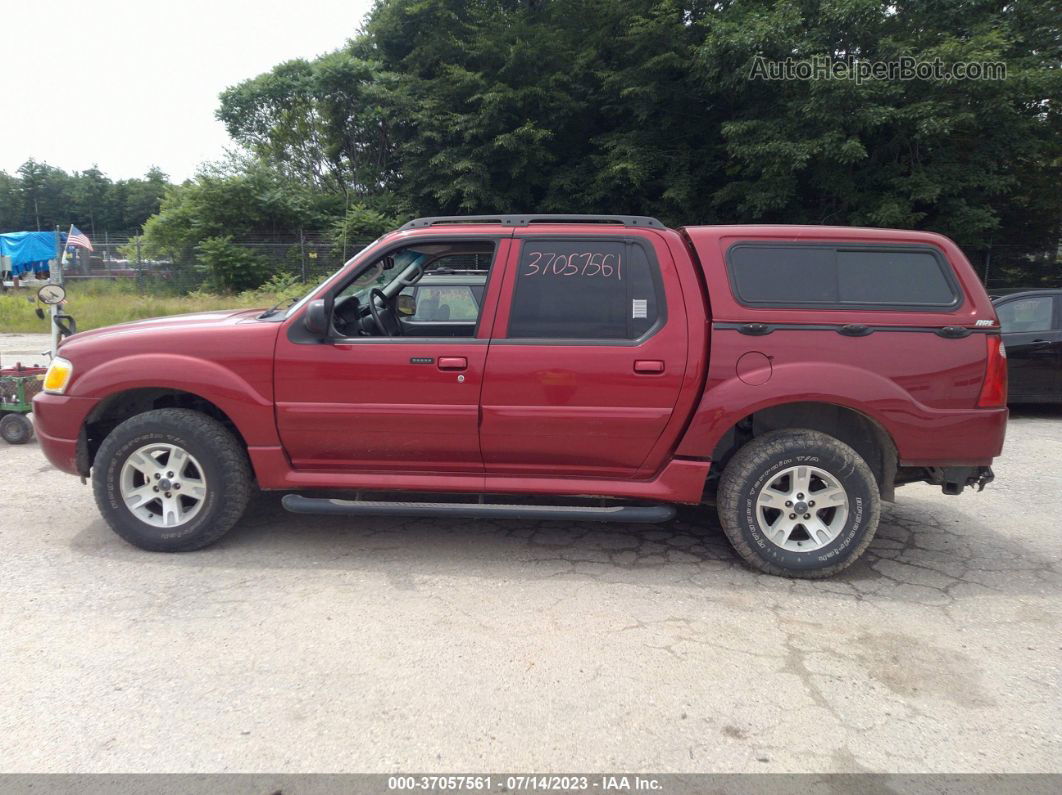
(1032, 333)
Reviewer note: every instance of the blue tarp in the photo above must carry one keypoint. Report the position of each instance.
(26, 249)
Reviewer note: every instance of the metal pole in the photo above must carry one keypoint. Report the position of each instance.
(57, 277)
(302, 254)
(988, 263)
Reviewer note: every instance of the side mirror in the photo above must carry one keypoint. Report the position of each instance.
(318, 317)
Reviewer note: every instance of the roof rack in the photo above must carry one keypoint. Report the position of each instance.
(527, 220)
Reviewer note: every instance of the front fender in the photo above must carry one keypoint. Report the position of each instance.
(247, 402)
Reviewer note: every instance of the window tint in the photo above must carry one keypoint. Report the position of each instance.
(1026, 314)
(829, 276)
(895, 278)
(586, 290)
(784, 275)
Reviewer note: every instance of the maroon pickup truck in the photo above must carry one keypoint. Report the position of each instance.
(591, 368)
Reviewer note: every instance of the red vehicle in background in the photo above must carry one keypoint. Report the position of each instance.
(579, 367)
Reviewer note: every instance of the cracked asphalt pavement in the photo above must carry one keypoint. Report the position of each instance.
(302, 643)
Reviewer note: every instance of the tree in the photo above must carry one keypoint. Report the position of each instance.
(45, 191)
(952, 156)
(91, 191)
(317, 122)
(229, 267)
(10, 202)
(139, 199)
(447, 106)
(42, 196)
(235, 198)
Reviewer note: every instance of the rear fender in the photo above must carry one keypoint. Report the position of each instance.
(726, 402)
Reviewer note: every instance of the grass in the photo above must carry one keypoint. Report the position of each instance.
(103, 303)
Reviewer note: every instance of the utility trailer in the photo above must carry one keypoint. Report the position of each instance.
(18, 385)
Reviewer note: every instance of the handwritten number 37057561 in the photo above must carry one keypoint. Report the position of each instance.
(542, 263)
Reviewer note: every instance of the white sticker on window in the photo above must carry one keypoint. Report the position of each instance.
(639, 308)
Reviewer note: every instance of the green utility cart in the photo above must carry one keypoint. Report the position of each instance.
(18, 385)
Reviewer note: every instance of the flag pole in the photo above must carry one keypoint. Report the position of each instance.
(57, 278)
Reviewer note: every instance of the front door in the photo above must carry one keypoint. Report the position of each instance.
(1031, 334)
(405, 401)
(587, 356)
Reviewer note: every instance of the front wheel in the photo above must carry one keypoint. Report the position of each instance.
(798, 503)
(171, 480)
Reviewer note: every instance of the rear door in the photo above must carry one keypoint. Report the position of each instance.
(587, 356)
(1034, 346)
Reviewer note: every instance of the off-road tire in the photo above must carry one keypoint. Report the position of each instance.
(749, 470)
(16, 428)
(223, 459)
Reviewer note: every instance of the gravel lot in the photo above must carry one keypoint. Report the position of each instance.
(318, 644)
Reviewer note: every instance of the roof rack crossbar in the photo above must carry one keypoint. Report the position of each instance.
(527, 220)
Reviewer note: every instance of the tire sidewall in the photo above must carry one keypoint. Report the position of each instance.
(23, 428)
(862, 499)
(123, 519)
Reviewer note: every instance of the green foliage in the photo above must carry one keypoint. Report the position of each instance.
(450, 106)
(360, 224)
(955, 156)
(282, 285)
(236, 198)
(321, 122)
(42, 196)
(228, 267)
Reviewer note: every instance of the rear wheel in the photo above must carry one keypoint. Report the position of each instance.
(171, 480)
(798, 503)
(16, 428)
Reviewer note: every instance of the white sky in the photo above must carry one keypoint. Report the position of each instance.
(128, 85)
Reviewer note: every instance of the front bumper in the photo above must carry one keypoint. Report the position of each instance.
(59, 420)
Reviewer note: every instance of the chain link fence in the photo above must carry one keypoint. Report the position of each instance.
(311, 256)
(307, 257)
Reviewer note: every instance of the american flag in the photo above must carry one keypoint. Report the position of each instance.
(78, 238)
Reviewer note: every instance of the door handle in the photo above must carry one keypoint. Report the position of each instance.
(648, 366)
(453, 363)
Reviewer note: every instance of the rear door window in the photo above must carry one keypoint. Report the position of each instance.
(451, 303)
(841, 276)
(577, 289)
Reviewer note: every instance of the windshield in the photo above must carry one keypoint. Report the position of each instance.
(306, 296)
(402, 264)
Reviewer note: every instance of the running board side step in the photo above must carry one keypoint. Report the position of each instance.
(634, 514)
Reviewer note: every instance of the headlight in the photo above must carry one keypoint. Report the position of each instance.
(58, 376)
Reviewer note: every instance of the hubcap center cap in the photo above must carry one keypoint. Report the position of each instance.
(801, 507)
(165, 484)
